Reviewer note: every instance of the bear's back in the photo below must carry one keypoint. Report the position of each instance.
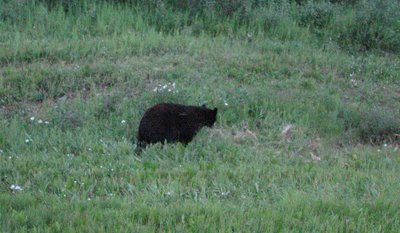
(164, 113)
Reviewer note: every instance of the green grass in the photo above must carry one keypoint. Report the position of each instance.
(74, 87)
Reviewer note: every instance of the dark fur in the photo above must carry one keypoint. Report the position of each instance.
(173, 123)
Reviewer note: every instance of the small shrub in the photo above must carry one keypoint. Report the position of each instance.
(267, 19)
(14, 86)
(14, 11)
(345, 2)
(374, 125)
(315, 14)
(69, 119)
(378, 126)
(3, 142)
(350, 117)
(375, 24)
(69, 6)
(107, 106)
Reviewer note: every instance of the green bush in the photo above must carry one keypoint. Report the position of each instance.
(378, 125)
(345, 2)
(268, 19)
(68, 119)
(315, 14)
(3, 141)
(370, 125)
(14, 11)
(374, 24)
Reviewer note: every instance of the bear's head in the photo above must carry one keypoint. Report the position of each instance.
(210, 116)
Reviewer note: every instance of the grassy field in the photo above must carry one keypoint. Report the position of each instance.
(74, 85)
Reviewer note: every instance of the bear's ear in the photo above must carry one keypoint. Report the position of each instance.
(203, 106)
(215, 111)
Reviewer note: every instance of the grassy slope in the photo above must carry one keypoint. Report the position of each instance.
(80, 171)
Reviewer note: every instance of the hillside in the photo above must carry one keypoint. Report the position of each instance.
(307, 136)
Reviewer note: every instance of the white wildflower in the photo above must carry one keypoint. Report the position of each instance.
(353, 82)
(46, 122)
(224, 194)
(40, 121)
(314, 157)
(123, 121)
(170, 87)
(27, 140)
(16, 188)
(287, 131)
(32, 118)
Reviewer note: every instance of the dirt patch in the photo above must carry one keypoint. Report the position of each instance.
(239, 136)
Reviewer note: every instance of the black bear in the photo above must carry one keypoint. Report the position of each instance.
(173, 123)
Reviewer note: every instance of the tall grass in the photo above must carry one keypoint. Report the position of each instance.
(359, 26)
